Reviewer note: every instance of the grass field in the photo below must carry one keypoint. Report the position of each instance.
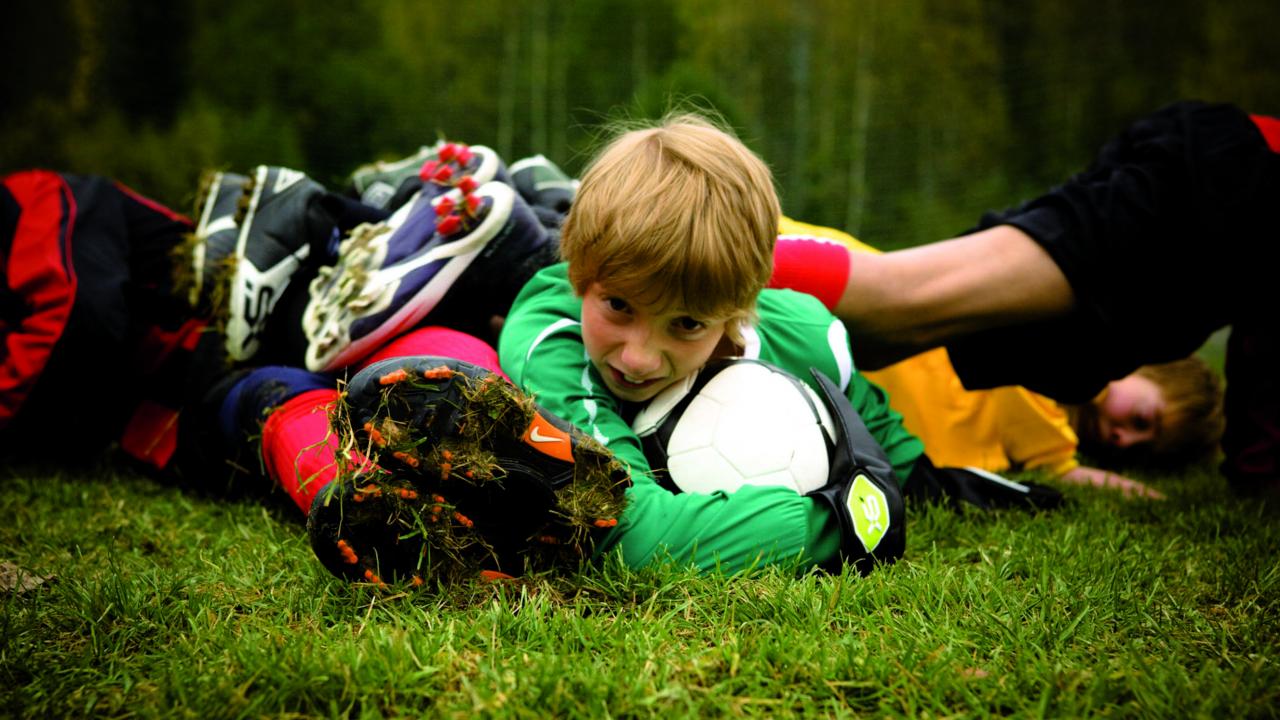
(157, 602)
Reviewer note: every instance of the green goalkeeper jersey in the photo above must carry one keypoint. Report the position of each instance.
(541, 350)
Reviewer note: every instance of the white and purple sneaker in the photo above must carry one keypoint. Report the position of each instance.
(391, 275)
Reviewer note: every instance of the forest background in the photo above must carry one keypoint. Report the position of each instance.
(898, 120)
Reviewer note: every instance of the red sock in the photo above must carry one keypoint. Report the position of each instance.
(298, 447)
(811, 265)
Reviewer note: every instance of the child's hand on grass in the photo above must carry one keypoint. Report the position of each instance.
(1112, 481)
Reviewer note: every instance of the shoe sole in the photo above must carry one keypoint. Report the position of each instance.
(458, 431)
(462, 252)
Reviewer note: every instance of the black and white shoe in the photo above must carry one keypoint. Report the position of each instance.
(282, 219)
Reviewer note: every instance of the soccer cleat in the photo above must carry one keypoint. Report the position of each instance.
(376, 183)
(391, 275)
(275, 238)
(543, 184)
(211, 246)
(458, 471)
(388, 185)
(355, 526)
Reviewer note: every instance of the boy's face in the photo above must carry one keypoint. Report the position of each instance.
(639, 350)
(1128, 415)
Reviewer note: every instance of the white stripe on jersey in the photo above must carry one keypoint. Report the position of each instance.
(838, 340)
(547, 332)
(589, 403)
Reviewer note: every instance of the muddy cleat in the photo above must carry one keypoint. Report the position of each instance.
(391, 275)
(356, 526)
(471, 474)
(280, 222)
(208, 252)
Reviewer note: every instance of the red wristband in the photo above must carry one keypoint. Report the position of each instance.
(811, 265)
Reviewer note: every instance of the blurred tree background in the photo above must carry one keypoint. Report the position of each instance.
(898, 120)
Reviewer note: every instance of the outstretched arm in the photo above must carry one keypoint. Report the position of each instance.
(1096, 477)
(904, 302)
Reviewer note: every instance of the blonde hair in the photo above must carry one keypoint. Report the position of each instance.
(1193, 421)
(679, 214)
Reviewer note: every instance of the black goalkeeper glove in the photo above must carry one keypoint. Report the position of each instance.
(861, 489)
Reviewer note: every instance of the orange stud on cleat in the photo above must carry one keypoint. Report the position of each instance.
(416, 581)
(393, 377)
(348, 555)
(494, 575)
(406, 458)
(463, 520)
(372, 577)
(445, 469)
(375, 435)
(440, 372)
(448, 456)
(407, 494)
(606, 523)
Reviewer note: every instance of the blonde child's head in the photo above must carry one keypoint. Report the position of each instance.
(669, 242)
(678, 214)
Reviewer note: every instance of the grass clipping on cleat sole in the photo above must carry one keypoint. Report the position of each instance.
(409, 499)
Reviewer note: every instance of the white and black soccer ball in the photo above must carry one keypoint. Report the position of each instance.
(737, 422)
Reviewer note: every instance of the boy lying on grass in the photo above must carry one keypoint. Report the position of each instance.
(668, 245)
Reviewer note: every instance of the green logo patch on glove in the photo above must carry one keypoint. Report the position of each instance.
(870, 511)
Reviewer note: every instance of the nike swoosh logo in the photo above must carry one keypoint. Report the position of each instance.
(537, 436)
